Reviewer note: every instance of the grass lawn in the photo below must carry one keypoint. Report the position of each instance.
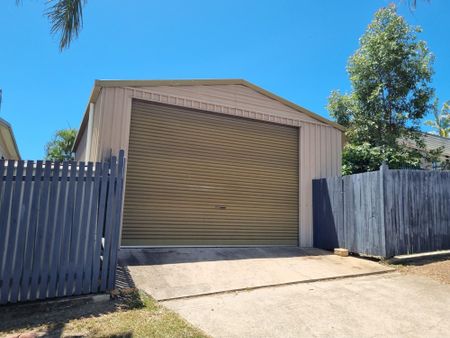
(130, 314)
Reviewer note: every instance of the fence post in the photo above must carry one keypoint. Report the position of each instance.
(118, 203)
(383, 169)
(343, 242)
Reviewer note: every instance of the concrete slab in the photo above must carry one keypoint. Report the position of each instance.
(388, 305)
(186, 272)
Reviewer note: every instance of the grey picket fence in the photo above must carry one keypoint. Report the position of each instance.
(383, 213)
(59, 227)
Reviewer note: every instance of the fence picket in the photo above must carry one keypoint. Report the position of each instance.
(60, 206)
(108, 226)
(4, 210)
(75, 231)
(83, 230)
(64, 262)
(4, 225)
(25, 289)
(11, 239)
(118, 186)
(99, 234)
(2, 180)
(47, 251)
(92, 229)
(22, 231)
(2, 169)
(38, 259)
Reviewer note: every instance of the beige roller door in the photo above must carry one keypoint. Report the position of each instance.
(198, 178)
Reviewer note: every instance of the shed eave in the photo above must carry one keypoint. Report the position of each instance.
(92, 99)
(9, 131)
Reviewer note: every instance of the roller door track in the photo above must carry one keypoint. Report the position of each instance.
(202, 179)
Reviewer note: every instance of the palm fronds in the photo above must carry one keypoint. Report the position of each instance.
(441, 122)
(66, 17)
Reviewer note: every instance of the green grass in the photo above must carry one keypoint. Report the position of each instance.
(130, 314)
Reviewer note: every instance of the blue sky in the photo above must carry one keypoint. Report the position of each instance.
(297, 49)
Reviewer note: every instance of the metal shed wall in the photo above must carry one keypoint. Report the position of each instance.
(2, 151)
(320, 144)
(80, 154)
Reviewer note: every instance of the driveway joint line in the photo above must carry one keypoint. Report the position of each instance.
(251, 288)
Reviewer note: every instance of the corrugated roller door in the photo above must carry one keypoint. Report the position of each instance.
(198, 178)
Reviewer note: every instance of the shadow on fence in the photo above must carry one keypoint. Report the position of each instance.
(59, 228)
(383, 213)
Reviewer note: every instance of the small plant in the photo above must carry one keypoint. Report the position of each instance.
(60, 148)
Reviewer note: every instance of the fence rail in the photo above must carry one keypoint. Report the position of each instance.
(59, 227)
(383, 213)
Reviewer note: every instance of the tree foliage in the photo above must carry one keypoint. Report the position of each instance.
(390, 75)
(441, 122)
(66, 17)
(60, 147)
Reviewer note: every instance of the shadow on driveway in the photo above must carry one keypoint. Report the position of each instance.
(158, 256)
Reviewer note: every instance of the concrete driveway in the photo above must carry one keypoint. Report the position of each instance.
(289, 292)
(186, 272)
(387, 305)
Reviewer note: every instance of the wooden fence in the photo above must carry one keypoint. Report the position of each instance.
(383, 213)
(59, 228)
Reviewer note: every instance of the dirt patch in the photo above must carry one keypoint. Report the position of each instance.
(434, 267)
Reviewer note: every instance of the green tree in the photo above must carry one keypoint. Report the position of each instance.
(441, 122)
(66, 17)
(60, 148)
(390, 75)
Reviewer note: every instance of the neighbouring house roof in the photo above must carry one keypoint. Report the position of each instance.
(434, 142)
(8, 145)
(99, 84)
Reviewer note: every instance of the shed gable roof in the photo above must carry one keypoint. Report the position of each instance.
(218, 82)
(212, 87)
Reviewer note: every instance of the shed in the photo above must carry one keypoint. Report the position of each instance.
(210, 162)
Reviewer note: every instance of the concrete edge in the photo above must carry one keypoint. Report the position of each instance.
(313, 280)
(418, 257)
(61, 301)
